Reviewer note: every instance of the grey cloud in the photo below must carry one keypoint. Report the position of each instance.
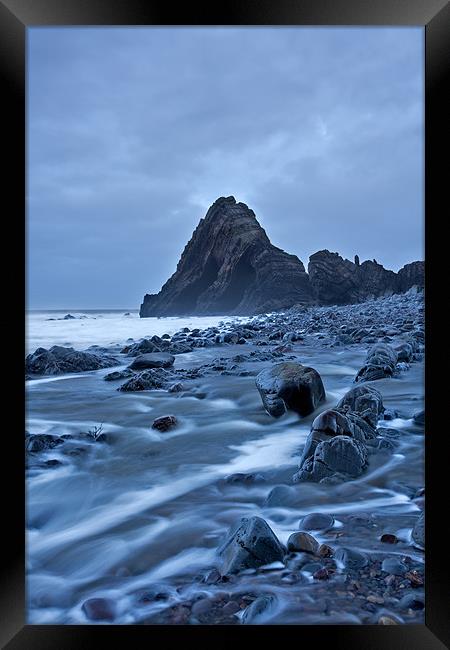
(134, 132)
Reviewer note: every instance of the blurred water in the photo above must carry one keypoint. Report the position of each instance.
(153, 506)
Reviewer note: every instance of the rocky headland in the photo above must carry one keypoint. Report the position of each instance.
(230, 267)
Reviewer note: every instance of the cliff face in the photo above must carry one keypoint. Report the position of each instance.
(230, 267)
(411, 274)
(337, 281)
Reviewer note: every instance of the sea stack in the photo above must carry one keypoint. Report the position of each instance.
(230, 267)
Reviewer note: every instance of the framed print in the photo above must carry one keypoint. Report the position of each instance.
(229, 400)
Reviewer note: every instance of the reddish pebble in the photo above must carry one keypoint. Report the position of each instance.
(321, 574)
(389, 538)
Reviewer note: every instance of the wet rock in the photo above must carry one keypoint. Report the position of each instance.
(418, 532)
(291, 386)
(388, 620)
(380, 363)
(146, 380)
(339, 458)
(245, 478)
(119, 374)
(175, 388)
(59, 360)
(394, 566)
(419, 418)
(201, 606)
(251, 544)
(389, 538)
(366, 401)
(42, 442)
(142, 347)
(258, 610)
(152, 360)
(321, 574)
(99, 609)
(165, 422)
(351, 558)
(316, 521)
(325, 551)
(405, 352)
(282, 496)
(302, 542)
(231, 608)
(212, 577)
(412, 601)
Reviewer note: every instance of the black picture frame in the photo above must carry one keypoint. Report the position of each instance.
(15, 17)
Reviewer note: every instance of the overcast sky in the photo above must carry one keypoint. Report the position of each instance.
(134, 132)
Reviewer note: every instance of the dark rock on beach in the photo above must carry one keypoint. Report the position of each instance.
(380, 362)
(152, 360)
(290, 386)
(165, 422)
(366, 401)
(251, 544)
(59, 360)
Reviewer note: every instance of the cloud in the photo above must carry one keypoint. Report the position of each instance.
(134, 132)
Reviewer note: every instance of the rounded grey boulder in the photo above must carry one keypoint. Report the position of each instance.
(152, 360)
(290, 385)
(317, 521)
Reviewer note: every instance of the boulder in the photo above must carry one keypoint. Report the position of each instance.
(59, 360)
(147, 380)
(327, 425)
(290, 385)
(340, 458)
(152, 360)
(380, 363)
(317, 521)
(366, 401)
(250, 545)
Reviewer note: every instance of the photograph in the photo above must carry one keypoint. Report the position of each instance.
(225, 325)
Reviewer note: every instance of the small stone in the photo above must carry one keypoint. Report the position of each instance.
(394, 566)
(325, 551)
(99, 609)
(373, 598)
(201, 606)
(415, 578)
(321, 574)
(411, 601)
(389, 538)
(212, 577)
(231, 608)
(350, 558)
(387, 620)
